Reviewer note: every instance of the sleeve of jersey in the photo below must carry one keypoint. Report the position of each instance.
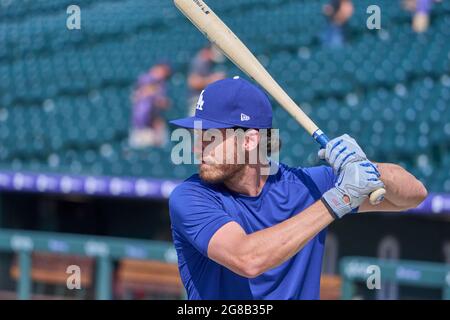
(323, 177)
(197, 215)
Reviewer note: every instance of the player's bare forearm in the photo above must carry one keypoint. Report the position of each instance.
(403, 190)
(255, 253)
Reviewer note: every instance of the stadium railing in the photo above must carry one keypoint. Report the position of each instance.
(105, 250)
(402, 272)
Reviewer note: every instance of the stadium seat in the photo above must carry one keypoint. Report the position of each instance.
(50, 269)
(148, 279)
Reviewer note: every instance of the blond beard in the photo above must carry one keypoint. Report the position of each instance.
(219, 173)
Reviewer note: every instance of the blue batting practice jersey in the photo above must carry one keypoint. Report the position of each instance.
(198, 210)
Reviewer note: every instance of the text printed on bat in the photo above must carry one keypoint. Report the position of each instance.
(201, 6)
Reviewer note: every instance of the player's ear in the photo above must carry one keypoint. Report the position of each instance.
(251, 140)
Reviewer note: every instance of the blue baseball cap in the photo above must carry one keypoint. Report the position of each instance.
(231, 102)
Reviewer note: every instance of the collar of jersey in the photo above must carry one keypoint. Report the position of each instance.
(264, 189)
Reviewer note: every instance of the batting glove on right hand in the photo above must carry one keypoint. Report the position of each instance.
(354, 184)
(341, 151)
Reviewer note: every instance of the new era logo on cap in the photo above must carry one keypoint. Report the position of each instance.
(244, 117)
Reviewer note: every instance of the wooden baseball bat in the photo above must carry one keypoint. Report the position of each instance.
(218, 33)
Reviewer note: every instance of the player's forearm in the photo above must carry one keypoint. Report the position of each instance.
(268, 248)
(402, 188)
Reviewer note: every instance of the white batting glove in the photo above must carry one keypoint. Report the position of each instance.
(355, 183)
(341, 151)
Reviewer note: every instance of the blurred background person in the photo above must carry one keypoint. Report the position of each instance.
(421, 13)
(203, 71)
(337, 12)
(149, 101)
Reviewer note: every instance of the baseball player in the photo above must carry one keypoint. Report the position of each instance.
(240, 234)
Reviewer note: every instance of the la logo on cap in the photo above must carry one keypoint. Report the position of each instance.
(200, 102)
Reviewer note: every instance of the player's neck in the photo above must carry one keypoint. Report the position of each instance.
(249, 181)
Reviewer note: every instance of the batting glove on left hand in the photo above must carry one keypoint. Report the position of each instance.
(355, 183)
(341, 151)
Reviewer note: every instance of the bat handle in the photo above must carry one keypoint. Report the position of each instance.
(375, 197)
(321, 138)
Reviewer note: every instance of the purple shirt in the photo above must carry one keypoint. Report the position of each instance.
(144, 109)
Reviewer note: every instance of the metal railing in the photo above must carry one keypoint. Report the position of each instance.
(108, 249)
(401, 272)
(104, 249)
